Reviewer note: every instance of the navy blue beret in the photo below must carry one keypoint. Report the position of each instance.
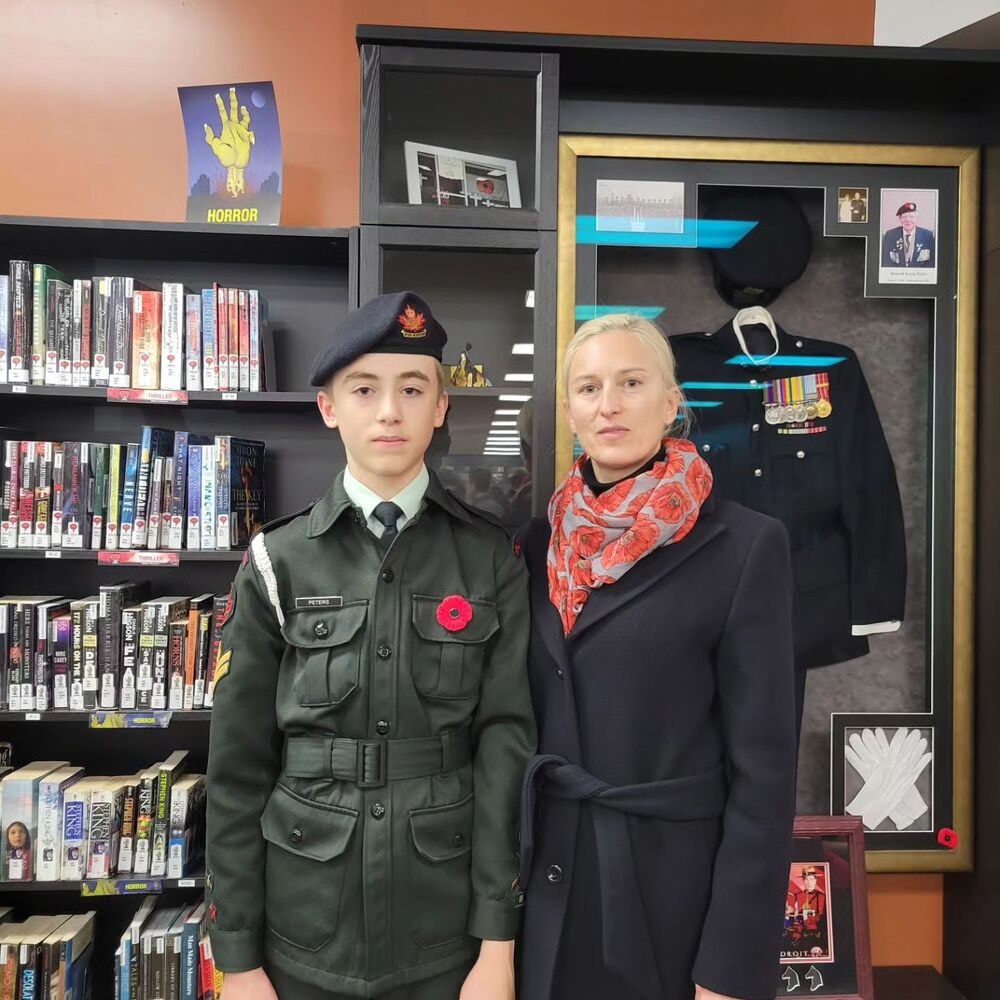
(771, 256)
(396, 323)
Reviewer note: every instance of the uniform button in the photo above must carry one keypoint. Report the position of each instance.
(753, 381)
(382, 727)
(559, 671)
(554, 874)
(800, 454)
(321, 630)
(384, 652)
(295, 835)
(706, 448)
(458, 840)
(388, 576)
(756, 427)
(798, 343)
(758, 473)
(377, 810)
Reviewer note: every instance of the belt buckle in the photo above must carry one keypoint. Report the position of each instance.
(371, 768)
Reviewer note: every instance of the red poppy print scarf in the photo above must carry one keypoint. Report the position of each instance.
(597, 539)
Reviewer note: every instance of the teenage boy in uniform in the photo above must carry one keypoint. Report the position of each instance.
(372, 718)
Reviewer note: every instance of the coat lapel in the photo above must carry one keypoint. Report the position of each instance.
(606, 600)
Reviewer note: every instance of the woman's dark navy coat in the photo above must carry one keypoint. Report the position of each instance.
(659, 851)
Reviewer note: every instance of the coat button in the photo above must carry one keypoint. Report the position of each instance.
(384, 652)
(706, 448)
(800, 454)
(382, 727)
(554, 874)
(321, 630)
(388, 576)
(758, 473)
(798, 343)
(295, 836)
(559, 671)
(458, 840)
(377, 810)
(753, 381)
(756, 427)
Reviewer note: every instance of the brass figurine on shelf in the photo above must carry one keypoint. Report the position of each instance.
(466, 374)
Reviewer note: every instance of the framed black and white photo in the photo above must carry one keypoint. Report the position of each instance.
(631, 206)
(436, 175)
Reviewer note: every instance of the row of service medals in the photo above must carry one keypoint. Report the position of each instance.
(798, 399)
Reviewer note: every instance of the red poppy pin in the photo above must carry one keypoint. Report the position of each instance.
(947, 837)
(454, 613)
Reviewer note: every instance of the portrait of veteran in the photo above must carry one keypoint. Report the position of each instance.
(657, 815)
(908, 245)
(372, 716)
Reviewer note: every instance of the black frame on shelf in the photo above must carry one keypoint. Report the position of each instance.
(376, 59)
(375, 240)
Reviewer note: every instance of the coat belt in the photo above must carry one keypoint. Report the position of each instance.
(626, 941)
(373, 763)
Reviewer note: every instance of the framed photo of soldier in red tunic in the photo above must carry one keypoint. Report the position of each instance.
(825, 948)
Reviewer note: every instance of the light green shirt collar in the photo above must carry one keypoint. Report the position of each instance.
(409, 499)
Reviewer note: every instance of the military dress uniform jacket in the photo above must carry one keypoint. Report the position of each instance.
(659, 852)
(894, 248)
(831, 482)
(366, 760)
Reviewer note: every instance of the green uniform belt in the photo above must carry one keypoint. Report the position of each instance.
(372, 763)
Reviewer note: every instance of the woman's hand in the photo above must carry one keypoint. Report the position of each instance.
(492, 977)
(252, 985)
(700, 993)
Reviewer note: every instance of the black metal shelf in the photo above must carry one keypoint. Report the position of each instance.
(185, 555)
(169, 716)
(121, 885)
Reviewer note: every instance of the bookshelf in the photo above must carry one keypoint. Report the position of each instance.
(309, 278)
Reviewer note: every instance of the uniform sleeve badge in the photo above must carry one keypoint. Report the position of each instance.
(227, 611)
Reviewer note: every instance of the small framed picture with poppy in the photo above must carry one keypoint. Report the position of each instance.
(825, 948)
(436, 175)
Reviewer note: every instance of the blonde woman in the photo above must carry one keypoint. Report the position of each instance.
(657, 817)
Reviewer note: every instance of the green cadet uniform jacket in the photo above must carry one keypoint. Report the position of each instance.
(370, 730)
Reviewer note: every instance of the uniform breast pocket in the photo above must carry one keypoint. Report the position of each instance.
(327, 646)
(448, 662)
(306, 847)
(806, 474)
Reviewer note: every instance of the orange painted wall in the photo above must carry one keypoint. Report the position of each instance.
(90, 124)
(91, 127)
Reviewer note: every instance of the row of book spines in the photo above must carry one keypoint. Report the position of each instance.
(173, 490)
(106, 652)
(166, 954)
(150, 823)
(113, 331)
(46, 957)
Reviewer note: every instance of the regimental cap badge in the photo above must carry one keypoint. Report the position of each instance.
(907, 206)
(413, 323)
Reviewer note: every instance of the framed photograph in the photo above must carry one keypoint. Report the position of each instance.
(626, 206)
(852, 204)
(436, 175)
(909, 225)
(884, 771)
(825, 949)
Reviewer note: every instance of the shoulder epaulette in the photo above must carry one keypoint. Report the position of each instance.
(483, 514)
(284, 519)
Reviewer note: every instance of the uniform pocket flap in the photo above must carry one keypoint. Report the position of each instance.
(442, 833)
(315, 628)
(820, 565)
(478, 628)
(309, 829)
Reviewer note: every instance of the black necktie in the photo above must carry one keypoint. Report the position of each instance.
(387, 514)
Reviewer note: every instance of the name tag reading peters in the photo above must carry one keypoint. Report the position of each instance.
(332, 601)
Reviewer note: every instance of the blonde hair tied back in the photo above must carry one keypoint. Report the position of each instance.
(645, 332)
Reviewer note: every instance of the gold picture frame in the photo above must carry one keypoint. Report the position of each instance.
(966, 160)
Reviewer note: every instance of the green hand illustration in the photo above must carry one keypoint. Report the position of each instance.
(232, 147)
